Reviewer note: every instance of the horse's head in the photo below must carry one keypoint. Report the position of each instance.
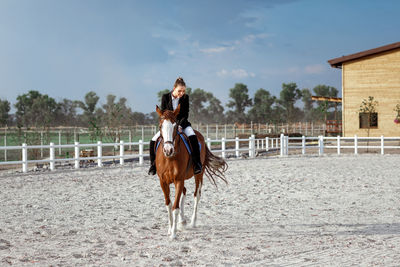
(167, 127)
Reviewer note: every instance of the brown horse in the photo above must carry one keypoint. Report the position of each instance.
(174, 165)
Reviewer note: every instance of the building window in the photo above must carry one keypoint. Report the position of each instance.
(372, 123)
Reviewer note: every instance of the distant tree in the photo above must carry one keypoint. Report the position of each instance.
(4, 109)
(240, 101)
(66, 115)
(308, 104)
(91, 116)
(214, 111)
(35, 110)
(368, 109)
(289, 95)
(324, 106)
(151, 118)
(114, 114)
(263, 103)
(138, 118)
(278, 114)
(198, 98)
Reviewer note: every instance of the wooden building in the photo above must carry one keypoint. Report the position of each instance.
(375, 73)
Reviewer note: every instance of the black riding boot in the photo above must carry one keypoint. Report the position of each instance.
(152, 170)
(195, 154)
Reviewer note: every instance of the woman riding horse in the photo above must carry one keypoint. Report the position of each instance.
(170, 101)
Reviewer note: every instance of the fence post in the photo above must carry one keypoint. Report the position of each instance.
(266, 143)
(225, 131)
(41, 144)
(142, 133)
(355, 145)
(223, 147)
(281, 144)
(287, 145)
(59, 142)
(5, 150)
(121, 152)
(237, 147)
(24, 158)
(303, 145)
(141, 152)
(382, 145)
(312, 128)
(207, 131)
(250, 150)
(209, 143)
(52, 156)
(130, 140)
(216, 131)
(99, 154)
(254, 145)
(76, 148)
(306, 128)
(338, 144)
(321, 145)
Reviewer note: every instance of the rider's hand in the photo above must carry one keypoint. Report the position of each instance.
(180, 129)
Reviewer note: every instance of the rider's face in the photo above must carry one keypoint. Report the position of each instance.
(179, 91)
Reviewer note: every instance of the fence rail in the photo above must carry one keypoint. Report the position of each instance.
(338, 143)
(225, 147)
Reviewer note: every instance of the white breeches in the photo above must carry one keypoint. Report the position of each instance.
(188, 131)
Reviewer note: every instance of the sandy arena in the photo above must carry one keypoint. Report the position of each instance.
(296, 211)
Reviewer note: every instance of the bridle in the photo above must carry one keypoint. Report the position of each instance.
(174, 135)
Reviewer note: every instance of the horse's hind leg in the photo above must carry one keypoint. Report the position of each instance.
(197, 194)
(182, 220)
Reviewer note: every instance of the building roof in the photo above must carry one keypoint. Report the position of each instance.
(337, 62)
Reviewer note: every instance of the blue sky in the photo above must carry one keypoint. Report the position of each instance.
(134, 49)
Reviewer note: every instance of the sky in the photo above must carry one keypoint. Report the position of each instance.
(134, 49)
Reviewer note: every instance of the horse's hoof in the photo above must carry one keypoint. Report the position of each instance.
(172, 236)
(182, 225)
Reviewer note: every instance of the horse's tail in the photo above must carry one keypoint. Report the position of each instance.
(214, 166)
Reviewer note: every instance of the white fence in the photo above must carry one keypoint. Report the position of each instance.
(339, 144)
(254, 146)
(234, 147)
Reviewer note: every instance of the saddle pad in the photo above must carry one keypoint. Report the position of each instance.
(185, 141)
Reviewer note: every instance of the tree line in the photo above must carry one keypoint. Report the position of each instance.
(34, 109)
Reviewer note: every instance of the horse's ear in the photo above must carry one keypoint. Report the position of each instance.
(158, 110)
(176, 111)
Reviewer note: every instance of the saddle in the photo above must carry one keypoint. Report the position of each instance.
(185, 140)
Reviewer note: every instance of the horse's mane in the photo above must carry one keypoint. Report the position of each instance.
(168, 115)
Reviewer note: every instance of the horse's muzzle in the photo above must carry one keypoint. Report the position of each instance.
(168, 150)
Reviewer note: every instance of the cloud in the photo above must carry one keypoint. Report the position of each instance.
(314, 69)
(236, 44)
(236, 73)
(215, 50)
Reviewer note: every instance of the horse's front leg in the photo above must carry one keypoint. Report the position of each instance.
(165, 189)
(175, 208)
